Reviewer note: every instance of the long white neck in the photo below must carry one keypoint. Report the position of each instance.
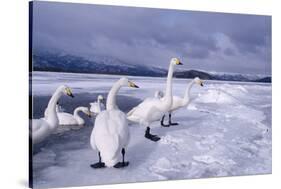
(99, 103)
(79, 120)
(52, 117)
(111, 97)
(169, 81)
(167, 99)
(186, 98)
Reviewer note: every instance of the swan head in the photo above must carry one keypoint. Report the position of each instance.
(125, 82)
(158, 94)
(198, 81)
(176, 61)
(66, 90)
(86, 111)
(100, 98)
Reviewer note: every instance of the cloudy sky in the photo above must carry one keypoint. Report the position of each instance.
(202, 40)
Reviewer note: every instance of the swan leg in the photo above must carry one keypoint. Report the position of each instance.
(170, 120)
(149, 136)
(99, 164)
(162, 122)
(123, 163)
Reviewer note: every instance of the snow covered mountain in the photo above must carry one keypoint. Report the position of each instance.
(62, 62)
(223, 76)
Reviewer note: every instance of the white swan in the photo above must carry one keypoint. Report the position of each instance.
(42, 128)
(98, 106)
(69, 119)
(179, 102)
(152, 109)
(110, 134)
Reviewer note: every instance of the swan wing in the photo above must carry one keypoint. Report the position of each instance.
(177, 103)
(144, 104)
(121, 127)
(66, 119)
(105, 139)
(110, 135)
(40, 130)
(146, 111)
(36, 124)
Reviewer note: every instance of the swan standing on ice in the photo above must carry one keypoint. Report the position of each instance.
(69, 119)
(179, 102)
(110, 135)
(42, 128)
(152, 109)
(98, 106)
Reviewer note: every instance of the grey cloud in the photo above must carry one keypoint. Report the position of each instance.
(146, 36)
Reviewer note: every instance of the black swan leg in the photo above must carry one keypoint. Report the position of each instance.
(98, 164)
(123, 163)
(170, 120)
(149, 136)
(162, 122)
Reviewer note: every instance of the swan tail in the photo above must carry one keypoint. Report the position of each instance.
(131, 112)
(109, 158)
(110, 162)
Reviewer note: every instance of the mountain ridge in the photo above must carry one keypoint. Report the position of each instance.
(63, 62)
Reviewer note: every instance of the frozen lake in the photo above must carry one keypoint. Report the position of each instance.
(225, 131)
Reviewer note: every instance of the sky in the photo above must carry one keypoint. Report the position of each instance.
(218, 42)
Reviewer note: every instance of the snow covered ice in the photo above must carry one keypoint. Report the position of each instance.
(225, 131)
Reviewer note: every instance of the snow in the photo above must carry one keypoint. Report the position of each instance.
(225, 131)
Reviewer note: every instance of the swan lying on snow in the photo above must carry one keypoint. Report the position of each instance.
(179, 102)
(42, 128)
(152, 109)
(69, 119)
(110, 135)
(98, 106)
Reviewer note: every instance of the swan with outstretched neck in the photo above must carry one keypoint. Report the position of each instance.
(179, 102)
(98, 106)
(152, 109)
(66, 119)
(42, 128)
(110, 134)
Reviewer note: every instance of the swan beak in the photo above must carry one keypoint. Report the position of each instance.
(71, 95)
(201, 85)
(180, 63)
(89, 115)
(131, 84)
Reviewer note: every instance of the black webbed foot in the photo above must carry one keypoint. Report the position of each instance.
(173, 124)
(164, 125)
(98, 165)
(121, 164)
(149, 136)
(154, 138)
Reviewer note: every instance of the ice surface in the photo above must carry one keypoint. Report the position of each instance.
(226, 131)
